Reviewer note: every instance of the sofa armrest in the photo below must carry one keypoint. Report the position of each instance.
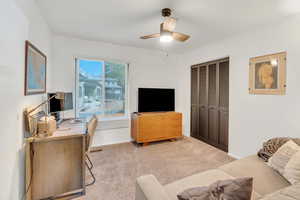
(148, 188)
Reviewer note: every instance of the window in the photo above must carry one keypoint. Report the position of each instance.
(101, 89)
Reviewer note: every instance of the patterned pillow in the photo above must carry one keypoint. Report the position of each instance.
(233, 189)
(282, 156)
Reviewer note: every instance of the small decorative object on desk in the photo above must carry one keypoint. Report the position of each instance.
(32, 116)
(267, 74)
(31, 121)
(46, 126)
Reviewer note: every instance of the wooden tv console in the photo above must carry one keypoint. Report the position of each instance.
(155, 126)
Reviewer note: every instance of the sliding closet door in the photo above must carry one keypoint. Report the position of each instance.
(223, 104)
(213, 114)
(210, 100)
(194, 102)
(203, 106)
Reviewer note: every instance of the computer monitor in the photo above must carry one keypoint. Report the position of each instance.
(55, 105)
(58, 105)
(68, 101)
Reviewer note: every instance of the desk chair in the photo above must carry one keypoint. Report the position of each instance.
(91, 128)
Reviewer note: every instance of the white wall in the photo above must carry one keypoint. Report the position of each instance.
(254, 118)
(16, 27)
(147, 68)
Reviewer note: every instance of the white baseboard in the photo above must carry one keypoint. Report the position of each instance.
(234, 156)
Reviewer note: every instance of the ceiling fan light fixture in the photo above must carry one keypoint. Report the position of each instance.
(167, 27)
(166, 37)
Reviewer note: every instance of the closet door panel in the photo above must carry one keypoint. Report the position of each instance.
(195, 122)
(223, 104)
(203, 86)
(213, 114)
(223, 137)
(213, 126)
(203, 123)
(224, 85)
(212, 85)
(203, 98)
(194, 86)
(194, 102)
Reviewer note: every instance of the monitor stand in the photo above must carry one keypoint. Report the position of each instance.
(76, 120)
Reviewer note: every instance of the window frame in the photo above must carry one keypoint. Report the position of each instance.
(126, 96)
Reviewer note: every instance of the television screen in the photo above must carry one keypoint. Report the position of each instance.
(156, 100)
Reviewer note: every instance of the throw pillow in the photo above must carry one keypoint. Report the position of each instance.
(272, 145)
(292, 169)
(233, 189)
(282, 156)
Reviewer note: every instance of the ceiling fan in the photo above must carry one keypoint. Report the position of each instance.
(167, 33)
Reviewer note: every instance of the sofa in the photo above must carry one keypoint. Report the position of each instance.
(266, 182)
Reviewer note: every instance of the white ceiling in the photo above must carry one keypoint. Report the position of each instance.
(124, 21)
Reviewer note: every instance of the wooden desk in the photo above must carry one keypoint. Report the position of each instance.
(55, 165)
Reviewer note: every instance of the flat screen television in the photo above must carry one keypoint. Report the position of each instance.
(156, 100)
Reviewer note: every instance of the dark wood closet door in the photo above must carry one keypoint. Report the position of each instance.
(213, 114)
(194, 102)
(203, 106)
(223, 104)
(210, 101)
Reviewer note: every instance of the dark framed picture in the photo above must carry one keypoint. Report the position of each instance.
(35, 70)
(267, 74)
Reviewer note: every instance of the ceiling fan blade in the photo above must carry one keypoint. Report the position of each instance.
(156, 35)
(180, 36)
(169, 24)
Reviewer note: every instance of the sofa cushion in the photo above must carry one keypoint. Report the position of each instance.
(231, 189)
(148, 188)
(265, 179)
(201, 179)
(288, 193)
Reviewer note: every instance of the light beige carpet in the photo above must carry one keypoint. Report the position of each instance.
(117, 166)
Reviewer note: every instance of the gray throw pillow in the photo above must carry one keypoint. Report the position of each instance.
(233, 189)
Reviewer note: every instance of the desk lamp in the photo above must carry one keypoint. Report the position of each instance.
(31, 121)
(58, 95)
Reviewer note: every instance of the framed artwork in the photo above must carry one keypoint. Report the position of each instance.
(35, 70)
(267, 74)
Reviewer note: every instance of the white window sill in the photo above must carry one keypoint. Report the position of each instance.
(114, 118)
